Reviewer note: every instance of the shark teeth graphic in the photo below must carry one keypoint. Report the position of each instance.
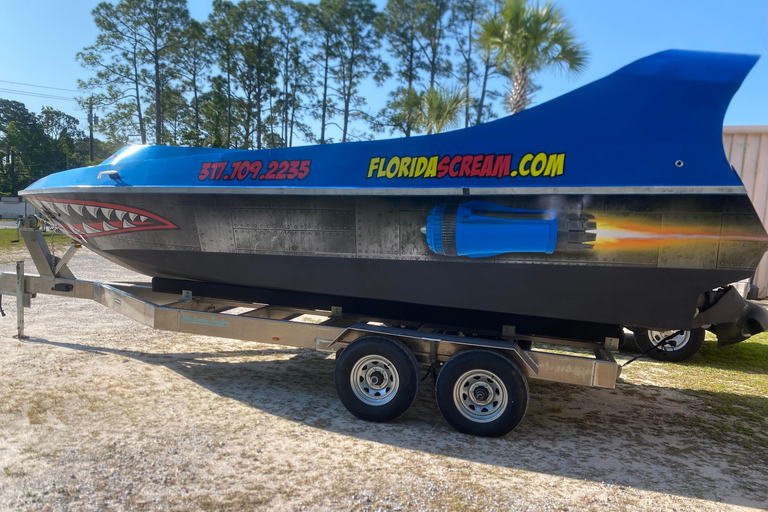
(82, 219)
(89, 229)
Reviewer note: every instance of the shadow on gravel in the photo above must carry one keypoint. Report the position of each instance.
(678, 442)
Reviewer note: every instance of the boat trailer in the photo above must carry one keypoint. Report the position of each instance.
(481, 378)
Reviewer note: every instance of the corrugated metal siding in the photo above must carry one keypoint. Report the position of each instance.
(747, 149)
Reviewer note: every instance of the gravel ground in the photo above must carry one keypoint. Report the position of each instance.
(100, 413)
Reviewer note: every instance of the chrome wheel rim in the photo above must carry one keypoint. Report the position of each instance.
(374, 380)
(480, 396)
(677, 342)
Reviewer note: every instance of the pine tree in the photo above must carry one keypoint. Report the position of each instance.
(358, 59)
(254, 65)
(223, 23)
(319, 21)
(192, 65)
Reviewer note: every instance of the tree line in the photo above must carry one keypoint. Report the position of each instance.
(273, 73)
(35, 145)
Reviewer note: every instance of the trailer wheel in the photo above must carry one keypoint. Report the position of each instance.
(685, 345)
(377, 379)
(482, 393)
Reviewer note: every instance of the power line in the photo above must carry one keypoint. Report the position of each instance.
(41, 86)
(37, 95)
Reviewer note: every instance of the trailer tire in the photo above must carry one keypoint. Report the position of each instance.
(482, 393)
(376, 378)
(687, 345)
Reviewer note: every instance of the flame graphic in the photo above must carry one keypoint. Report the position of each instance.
(618, 234)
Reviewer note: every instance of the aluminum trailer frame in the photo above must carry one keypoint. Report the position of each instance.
(432, 345)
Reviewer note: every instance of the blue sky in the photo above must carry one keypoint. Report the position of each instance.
(39, 40)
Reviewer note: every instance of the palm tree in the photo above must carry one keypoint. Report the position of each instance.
(441, 109)
(529, 38)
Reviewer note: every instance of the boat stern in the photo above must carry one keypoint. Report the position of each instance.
(729, 316)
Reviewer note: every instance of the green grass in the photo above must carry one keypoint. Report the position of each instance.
(750, 355)
(8, 235)
(731, 383)
(738, 374)
(734, 380)
(742, 367)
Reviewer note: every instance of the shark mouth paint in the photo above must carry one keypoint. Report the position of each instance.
(90, 218)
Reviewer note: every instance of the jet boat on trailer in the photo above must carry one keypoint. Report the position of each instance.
(612, 205)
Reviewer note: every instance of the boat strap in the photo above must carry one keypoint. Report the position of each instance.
(666, 341)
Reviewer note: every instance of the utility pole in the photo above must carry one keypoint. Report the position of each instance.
(90, 125)
(229, 102)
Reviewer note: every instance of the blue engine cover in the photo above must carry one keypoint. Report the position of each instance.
(483, 229)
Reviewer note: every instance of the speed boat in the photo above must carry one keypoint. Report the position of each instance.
(612, 205)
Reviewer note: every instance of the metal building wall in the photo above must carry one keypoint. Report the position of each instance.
(15, 207)
(747, 149)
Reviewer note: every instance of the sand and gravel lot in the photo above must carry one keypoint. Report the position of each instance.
(100, 413)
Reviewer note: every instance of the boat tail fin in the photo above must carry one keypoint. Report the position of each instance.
(660, 116)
